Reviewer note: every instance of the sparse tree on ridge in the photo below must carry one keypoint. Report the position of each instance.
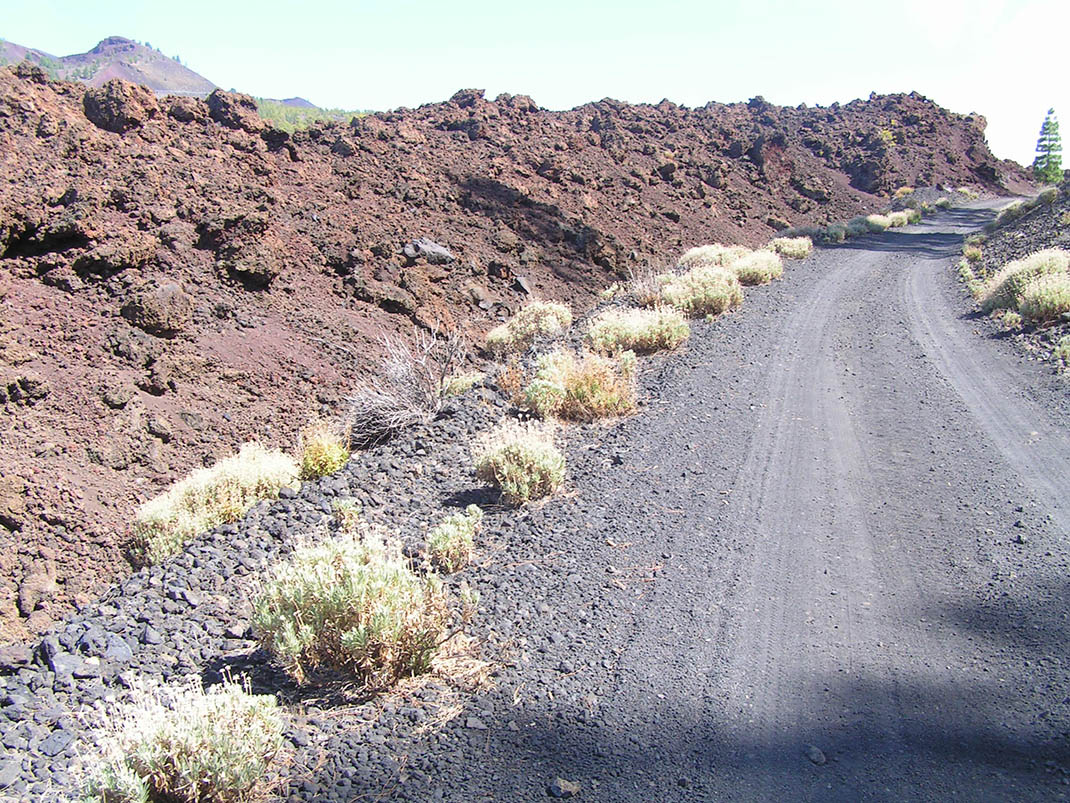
(1048, 166)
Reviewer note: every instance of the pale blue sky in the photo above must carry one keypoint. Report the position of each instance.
(967, 55)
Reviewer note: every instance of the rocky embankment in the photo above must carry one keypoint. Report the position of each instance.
(178, 277)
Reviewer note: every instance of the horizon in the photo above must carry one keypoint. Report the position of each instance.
(564, 56)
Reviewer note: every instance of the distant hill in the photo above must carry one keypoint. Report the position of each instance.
(115, 57)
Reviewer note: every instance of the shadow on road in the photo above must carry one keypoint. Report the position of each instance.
(920, 240)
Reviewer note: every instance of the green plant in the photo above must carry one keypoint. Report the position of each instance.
(703, 290)
(520, 459)
(969, 192)
(1062, 351)
(641, 331)
(1004, 289)
(347, 514)
(913, 215)
(534, 319)
(1045, 298)
(903, 192)
(461, 382)
(757, 267)
(324, 449)
(1047, 196)
(972, 253)
(897, 219)
(182, 744)
(1011, 319)
(942, 203)
(792, 247)
(1009, 213)
(1047, 166)
(877, 223)
(584, 388)
(295, 118)
(209, 497)
(857, 226)
(451, 542)
(350, 603)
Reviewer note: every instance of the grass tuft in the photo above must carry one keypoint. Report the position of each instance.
(903, 192)
(757, 267)
(714, 254)
(350, 603)
(582, 388)
(1004, 289)
(792, 247)
(638, 330)
(521, 460)
(1045, 298)
(703, 290)
(461, 382)
(324, 449)
(452, 541)
(182, 744)
(877, 223)
(1062, 351)
(1011, 319)
(209, 497)
(534, 319)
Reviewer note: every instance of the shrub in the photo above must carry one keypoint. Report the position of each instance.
(1004, 289)
(644, 286)
(520, 459)
(452, 541)
(835, 233)
(534, 319)
(352, 604)
(702, 291)
(903, 192)
(942, 203)
(970, 279)
(970, 194)
(461, 382)
(324, 449)
(1045, 298)
(757, 267)
(1062, 351)
(582, 389)
(1009, 213)
(858, 226)
(715, 254)
(209, 497)
(913, 216)
(182, 744)
(347, 514)
(897, 219)
(410, 389)
(792, 247)
(877, 223)
(1011, 319)
(972, 253)
(1048, 196)
(641, 331)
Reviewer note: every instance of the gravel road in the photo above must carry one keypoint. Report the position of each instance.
(827, 561)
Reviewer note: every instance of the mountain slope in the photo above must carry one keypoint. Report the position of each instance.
(178, 277)
(115, 57)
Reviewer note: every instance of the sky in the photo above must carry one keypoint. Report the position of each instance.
(998, 58)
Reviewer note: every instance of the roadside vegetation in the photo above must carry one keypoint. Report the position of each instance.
(643, 331)
(533, 320)
(582, 387)
(184, 744)
(521, 460)
(451, 542)
(209, 497)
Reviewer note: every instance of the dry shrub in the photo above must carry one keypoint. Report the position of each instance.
(972, 253)
(1004, 289)
(1046, 298)
(757, 267)
(209, 497)
(714, 254)
(702, 291)
(461, 382)
(182, 744)
(903, 192)
(1062, 351)
(792, 247)
(533, 320)
(942, 203)
(410, 389)
(639, 330)
(644, 286)
(897, 219)
(521, 460)
(452, 541)
(353, 604)
(324, 448)
(582, 388)
(877, 223)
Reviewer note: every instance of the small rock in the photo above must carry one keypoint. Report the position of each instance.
(9, 772)
(151, 635)
(161, 428)
(35, 589)
(1019, 538)
(434, 253)
(475, 724)
(522, 284)
(559, 787)
(14, 657)
(56, 742)
(815, 755)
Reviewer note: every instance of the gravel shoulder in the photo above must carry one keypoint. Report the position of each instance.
(827, 560)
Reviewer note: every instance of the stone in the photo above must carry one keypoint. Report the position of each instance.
(56, 743)
(12, 501)
(37, 588)
(522, 284)
(475, 724)
(559, 787)
(25, 389)
(159, 427)
(120, 106)
(235, 110)
(815, 755)
(428, 249)
(186, 110)
(162, 310)
(117, 395)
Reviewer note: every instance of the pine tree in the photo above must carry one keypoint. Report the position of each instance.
(1048, 166)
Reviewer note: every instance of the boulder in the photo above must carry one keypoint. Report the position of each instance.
(235, 110)
(428, 249)
(119, 106)
(162, 310)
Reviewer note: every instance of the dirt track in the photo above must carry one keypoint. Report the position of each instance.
(833, 485)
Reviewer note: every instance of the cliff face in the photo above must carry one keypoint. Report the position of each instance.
(177, 277)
